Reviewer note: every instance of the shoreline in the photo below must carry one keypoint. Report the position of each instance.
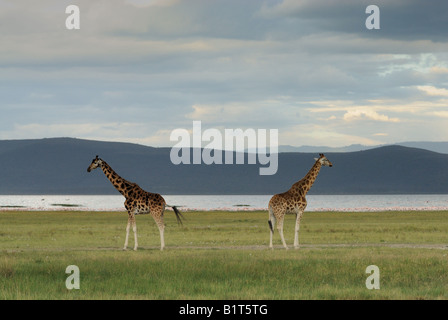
(235, 203)
(221, 209)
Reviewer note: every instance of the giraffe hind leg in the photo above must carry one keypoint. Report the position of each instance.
(158, 218)
(280, 230)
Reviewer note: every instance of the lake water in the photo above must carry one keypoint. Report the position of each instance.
(228, 202)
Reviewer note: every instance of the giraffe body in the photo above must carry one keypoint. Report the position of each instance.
(138, 201)
(293, 201)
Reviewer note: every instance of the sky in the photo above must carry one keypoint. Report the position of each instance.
(138, 69)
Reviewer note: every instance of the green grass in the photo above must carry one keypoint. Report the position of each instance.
(224, 255)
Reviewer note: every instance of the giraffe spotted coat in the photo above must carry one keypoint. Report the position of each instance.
(293, 201)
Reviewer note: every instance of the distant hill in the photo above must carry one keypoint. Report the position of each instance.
(321, 149)
(441, 147)
(58, 166)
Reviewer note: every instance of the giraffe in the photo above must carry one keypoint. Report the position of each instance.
(293, 201)
(138, 201)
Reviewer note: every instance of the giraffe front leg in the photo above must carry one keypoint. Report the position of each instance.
(296, 231)
(134, 229)
(128, 226)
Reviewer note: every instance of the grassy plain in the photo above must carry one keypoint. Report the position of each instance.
(224, 255)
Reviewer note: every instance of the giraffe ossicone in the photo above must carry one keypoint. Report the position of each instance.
(138, 201)
(293, 201)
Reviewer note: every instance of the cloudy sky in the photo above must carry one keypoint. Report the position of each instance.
(138, 69)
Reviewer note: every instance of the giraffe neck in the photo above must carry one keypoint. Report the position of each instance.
(118, 182)
(307, 181)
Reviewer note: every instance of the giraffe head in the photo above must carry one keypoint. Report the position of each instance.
(323, 160)
(97, 162)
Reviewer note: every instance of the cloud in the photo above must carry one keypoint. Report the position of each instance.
(400, 19)
(147, 3)
(139, 67)
(439, 70)
(107, 130)
(319, 135)
(223, 113)
(263, 114)
(443, 114)
(433, 91)
(353, 115)
(371, 109)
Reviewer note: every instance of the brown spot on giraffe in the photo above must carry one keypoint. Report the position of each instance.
(138, 201)
(293, 201)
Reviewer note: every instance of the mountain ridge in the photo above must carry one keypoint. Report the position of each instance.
(58, 166)
(435, 146)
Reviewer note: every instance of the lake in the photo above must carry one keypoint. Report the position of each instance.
(228, 202)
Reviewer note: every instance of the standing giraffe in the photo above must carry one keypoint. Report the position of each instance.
(137, 201)
(293, 201)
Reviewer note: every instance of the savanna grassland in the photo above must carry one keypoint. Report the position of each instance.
(224, 255)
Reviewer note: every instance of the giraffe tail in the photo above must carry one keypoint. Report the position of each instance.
(270, 226)
(179, 215)
(271, 217)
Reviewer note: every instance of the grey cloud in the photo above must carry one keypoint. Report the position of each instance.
(151, 63)
(400, 20)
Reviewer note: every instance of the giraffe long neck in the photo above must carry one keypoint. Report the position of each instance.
(118, 182)
(307, 181)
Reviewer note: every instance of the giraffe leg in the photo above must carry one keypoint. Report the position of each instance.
(280, 230)
(134, 229)
(296, 231)
(158, 218)
(162, 237)
(127, 232)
